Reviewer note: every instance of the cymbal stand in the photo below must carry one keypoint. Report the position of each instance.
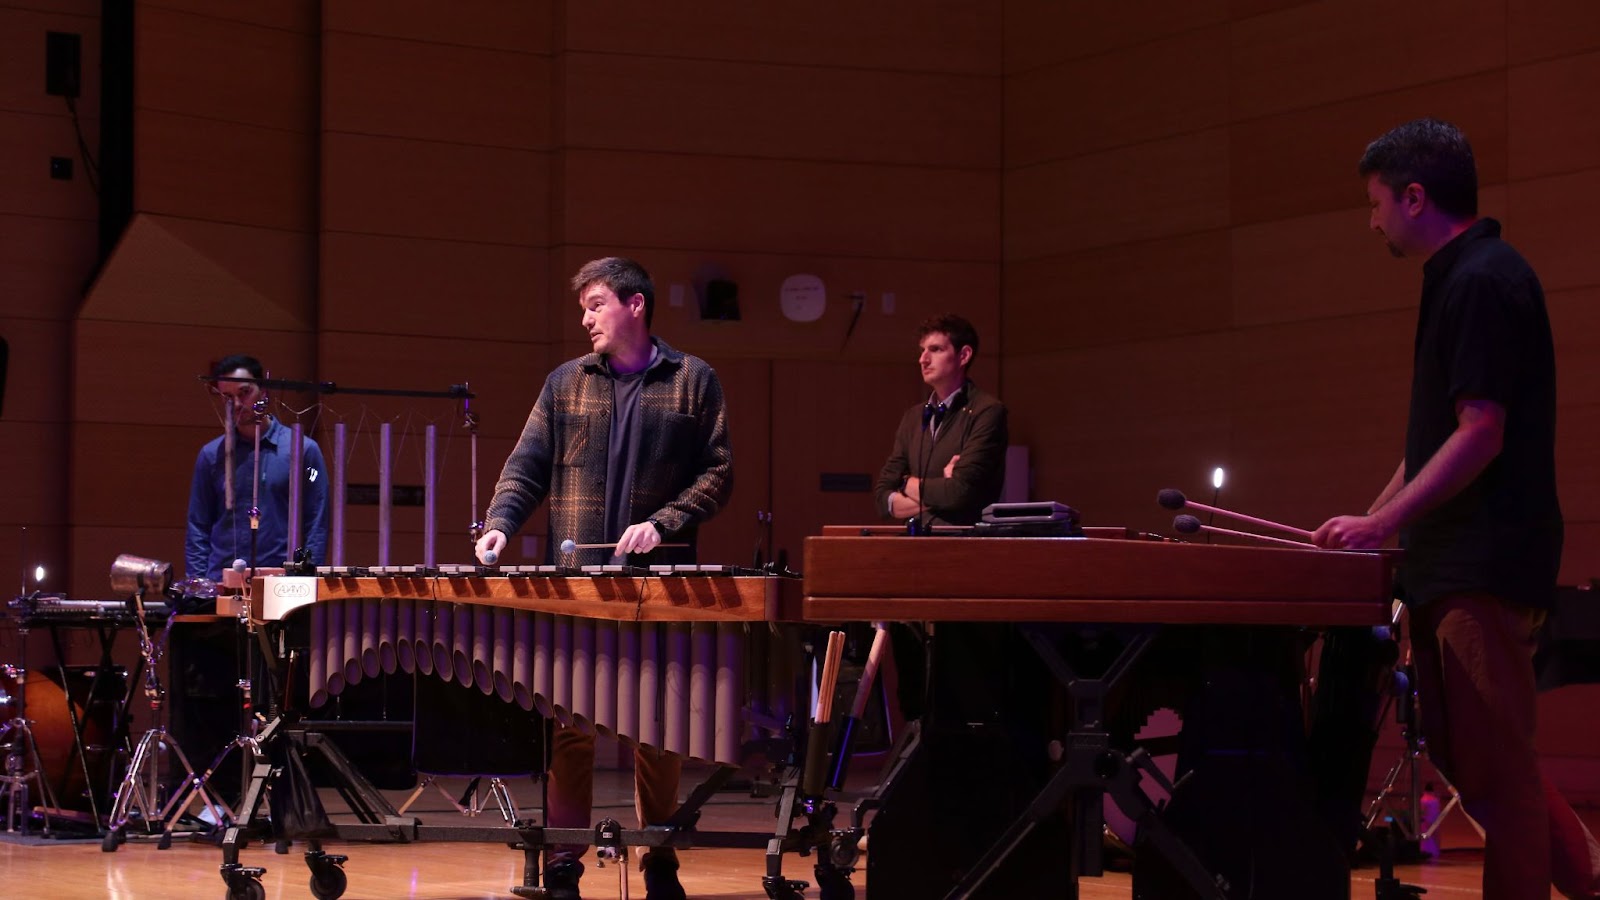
(22, 762)
(140, 790)
(1410, 831)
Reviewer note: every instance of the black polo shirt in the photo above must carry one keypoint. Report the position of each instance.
(1483, 332)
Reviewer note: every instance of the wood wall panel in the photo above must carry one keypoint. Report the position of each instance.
(1148, 91)
(1542, 29)
(790, 206)
(1108, 427)
(1127, 292)
(1322, 265)
(517, 25)
(409, 188)
(423, 287)
(1547, 220)
(439, 92)
(27, 142)
(149, 486)
(1319, 53)
(922, 288)
(222, 68)
(1318, 414)
(1580, 562)
(782, 111)
(34, 453)
(284, 15)
(1157, 189)
(907, 35)
(1545, 144)
(1578, 478)
(160, 365)
(36, 386)
(826, 420)
(1575, 323)
(221, 171)
(1044, 32)
(194, 272)
(1305, 160)
(45, 263)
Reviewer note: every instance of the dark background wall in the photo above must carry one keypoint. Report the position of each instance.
(1149, 209)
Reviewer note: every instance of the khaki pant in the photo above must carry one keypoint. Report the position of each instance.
(1475, 682)
(570, 798)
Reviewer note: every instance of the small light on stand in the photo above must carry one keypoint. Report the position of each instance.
(38, 575)
(1216, 493)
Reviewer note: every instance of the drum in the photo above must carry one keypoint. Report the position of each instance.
(51, 724)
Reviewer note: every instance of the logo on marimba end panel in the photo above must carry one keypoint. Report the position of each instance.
(292, 590)
(284, 593)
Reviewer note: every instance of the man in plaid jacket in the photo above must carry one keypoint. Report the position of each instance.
(630, 446)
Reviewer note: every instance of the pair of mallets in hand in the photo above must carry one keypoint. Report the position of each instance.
(1187, 524)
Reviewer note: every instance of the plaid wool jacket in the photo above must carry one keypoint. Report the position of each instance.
(682, 475)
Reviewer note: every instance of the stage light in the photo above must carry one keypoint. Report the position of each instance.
(1216, 478)
(135, 574)
(38, 574)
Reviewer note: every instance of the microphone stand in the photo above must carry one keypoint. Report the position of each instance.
(920, 523)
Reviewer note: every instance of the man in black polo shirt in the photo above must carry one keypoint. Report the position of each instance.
(1474, 503)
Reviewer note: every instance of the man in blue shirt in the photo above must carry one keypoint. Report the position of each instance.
(204, 657)
(219, 534)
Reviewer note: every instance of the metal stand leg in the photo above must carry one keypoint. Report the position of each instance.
(22, 765)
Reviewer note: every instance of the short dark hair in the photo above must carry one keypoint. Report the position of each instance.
(1429, 152)
(227, 365)
(958, 330)
(623, 276)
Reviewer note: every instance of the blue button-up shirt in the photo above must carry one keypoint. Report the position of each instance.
(218, 536)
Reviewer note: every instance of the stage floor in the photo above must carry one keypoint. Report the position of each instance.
(445, 871)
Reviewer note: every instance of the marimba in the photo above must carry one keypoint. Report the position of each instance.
(989, 598)
(1128, 579)
(654, 656)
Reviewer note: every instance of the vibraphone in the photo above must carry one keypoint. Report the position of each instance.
(654, 657)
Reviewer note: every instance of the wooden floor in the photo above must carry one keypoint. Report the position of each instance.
(439, 871)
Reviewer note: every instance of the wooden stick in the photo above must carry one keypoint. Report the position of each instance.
(1264, 523)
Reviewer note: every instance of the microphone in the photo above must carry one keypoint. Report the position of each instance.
(1171, 498)
(1191, 525)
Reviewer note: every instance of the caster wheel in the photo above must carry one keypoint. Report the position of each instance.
(833, 885)
(165, 841)
(329, 883)
(252, 890)
(108, 844)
